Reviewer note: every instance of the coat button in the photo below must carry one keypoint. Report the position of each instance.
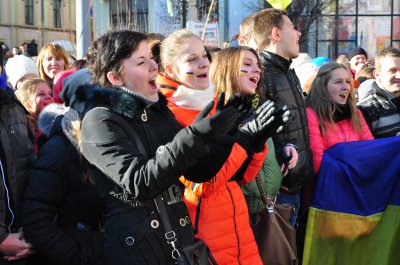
(154, 224)
(129, 241)
(160, 149)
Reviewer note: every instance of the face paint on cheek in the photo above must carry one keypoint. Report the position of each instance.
(243, 72)
(189, 73)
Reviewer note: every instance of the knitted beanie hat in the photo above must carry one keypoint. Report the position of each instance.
(356, 51)
(57, 84)
(18, 67)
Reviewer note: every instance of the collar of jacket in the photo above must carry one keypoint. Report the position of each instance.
(116, 99)
(276, 60)
(380, 91)
(166, 85)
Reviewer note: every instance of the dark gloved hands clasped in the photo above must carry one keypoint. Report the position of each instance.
(266, 122)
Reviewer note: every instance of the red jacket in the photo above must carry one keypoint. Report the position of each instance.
(224, 219)
(339, 132)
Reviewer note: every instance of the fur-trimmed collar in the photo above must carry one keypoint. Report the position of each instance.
(123, 103)
(50, 117)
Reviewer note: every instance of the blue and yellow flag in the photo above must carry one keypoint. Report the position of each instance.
(279, 4)
(354, 215)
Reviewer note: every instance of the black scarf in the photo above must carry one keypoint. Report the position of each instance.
(342, 112)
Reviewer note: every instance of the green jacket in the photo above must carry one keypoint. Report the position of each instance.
(271, 176)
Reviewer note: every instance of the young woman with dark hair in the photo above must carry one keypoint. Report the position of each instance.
(129, 134)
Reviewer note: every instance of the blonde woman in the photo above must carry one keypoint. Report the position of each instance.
(221, 219)
(35, 95)
(331, 111)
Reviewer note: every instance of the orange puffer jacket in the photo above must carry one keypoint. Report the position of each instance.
(224, 219)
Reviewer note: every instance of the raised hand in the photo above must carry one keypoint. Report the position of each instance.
(242, 103)
(267, 122)
(216, 126)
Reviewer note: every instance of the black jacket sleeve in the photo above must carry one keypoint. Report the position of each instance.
(208, 166)
(108, 144)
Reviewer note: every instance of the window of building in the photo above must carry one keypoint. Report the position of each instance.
(371, 24)
(130, 14)
(29, 12)
(57, 13)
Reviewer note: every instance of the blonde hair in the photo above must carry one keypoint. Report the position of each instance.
(169, 51)
(264, 22)
(320, 100)
(246, 27)
(57, 51)
(27, 89)
(225, 70)
(387, 52)
(154, 40)
(342, 59)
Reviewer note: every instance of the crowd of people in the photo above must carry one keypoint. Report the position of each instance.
(92, 151)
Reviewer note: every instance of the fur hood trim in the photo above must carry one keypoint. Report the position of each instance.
(116, 99)
(48, 116)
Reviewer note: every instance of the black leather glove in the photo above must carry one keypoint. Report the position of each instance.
(253, 135)
(281, 116)
(242, 103)
(215, 126)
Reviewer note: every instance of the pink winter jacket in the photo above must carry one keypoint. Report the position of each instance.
(340, 132)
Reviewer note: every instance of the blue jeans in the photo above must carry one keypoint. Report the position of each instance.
(292, 199)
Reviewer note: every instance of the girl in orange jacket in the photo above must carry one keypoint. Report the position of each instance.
(223, 221)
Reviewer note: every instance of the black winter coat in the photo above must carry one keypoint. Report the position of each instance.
(283, 86)
(61, 213)
(17, 158)
(138, 147)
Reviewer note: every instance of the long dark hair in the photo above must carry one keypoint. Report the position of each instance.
(107, 52)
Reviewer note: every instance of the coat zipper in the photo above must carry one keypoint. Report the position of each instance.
(234, 223)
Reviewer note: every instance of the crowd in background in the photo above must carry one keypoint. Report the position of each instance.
(90, 148)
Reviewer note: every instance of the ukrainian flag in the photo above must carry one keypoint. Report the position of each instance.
(354, 215)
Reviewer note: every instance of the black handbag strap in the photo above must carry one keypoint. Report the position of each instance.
(170, 234)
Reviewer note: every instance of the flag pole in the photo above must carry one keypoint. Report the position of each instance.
(208, 17)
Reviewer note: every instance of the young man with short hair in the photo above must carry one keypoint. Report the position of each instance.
(278, 43)
(381, 106)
